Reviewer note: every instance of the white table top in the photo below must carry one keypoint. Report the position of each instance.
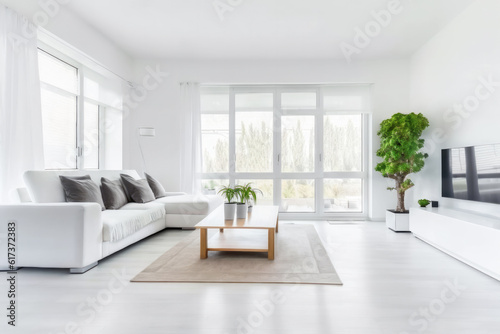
(261, 217)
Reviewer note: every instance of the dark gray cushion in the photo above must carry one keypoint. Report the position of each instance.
(81, 189)
(156, 186)
(113, 194)
(137, 190)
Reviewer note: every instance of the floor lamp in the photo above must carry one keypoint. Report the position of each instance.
(144, 132)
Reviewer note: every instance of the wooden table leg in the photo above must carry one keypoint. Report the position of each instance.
(203, 243)
(270, 246)
(221, 230)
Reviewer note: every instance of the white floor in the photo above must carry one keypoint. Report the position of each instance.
(393, 283)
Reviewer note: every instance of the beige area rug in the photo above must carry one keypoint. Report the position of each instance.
(300, 258)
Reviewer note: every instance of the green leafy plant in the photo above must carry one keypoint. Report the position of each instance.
(228, 192)
(400, 145)
(245, 193)
(424, 202)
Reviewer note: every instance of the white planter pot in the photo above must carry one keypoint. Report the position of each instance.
(229, 211)
(241, 210)
(396, 221)
(250, 204)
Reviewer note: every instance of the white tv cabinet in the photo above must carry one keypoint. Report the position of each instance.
(471, 238)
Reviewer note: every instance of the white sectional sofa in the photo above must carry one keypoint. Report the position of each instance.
(52, 233)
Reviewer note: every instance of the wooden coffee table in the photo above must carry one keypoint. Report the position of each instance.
(240, 236)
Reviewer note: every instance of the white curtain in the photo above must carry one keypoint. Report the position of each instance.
(21, 139)
(190, 167)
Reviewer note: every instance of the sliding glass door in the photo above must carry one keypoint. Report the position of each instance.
(303, 146)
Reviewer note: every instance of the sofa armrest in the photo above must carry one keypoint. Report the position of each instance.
(173, 193)
(53, 235)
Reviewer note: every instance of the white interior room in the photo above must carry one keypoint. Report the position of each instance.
(440, 58)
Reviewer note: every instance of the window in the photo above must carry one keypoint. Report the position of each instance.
(215, 134)
(254, 132)
(81, 128)
(59, 93)
(297, 195)
(303, 146)
(343, 149)
(297, 144)
(343, 195)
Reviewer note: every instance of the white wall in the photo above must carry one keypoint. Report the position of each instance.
(445, 73)
(61, 22)
(160, 109)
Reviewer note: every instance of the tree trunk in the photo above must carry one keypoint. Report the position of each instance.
(401, 197)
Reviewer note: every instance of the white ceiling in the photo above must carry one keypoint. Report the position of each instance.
(260, 29)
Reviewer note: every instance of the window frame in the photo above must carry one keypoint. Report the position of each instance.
(80, 107)
(318, 175)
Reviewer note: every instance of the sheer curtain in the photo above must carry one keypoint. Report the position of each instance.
(190, 167)
(21, 139)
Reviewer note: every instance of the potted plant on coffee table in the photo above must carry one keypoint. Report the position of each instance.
(229, 205)
(400, 146)
(249, 194)
(241, 204)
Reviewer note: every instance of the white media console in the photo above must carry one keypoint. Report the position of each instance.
(471, 238)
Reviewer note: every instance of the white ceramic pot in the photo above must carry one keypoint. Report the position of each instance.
(397, 221)
(250, 205)
(241, 210)
(229, 211)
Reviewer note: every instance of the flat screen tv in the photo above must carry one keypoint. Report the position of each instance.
(471, 173)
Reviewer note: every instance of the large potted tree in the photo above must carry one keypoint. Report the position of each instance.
(400, 146)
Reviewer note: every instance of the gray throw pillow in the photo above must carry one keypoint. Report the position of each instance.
(81, 189)
(113, 194)
(137, 190)
(156, 186)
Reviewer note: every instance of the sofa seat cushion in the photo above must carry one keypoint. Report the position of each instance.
(190, 204)
(119, 224)
(155, 210)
